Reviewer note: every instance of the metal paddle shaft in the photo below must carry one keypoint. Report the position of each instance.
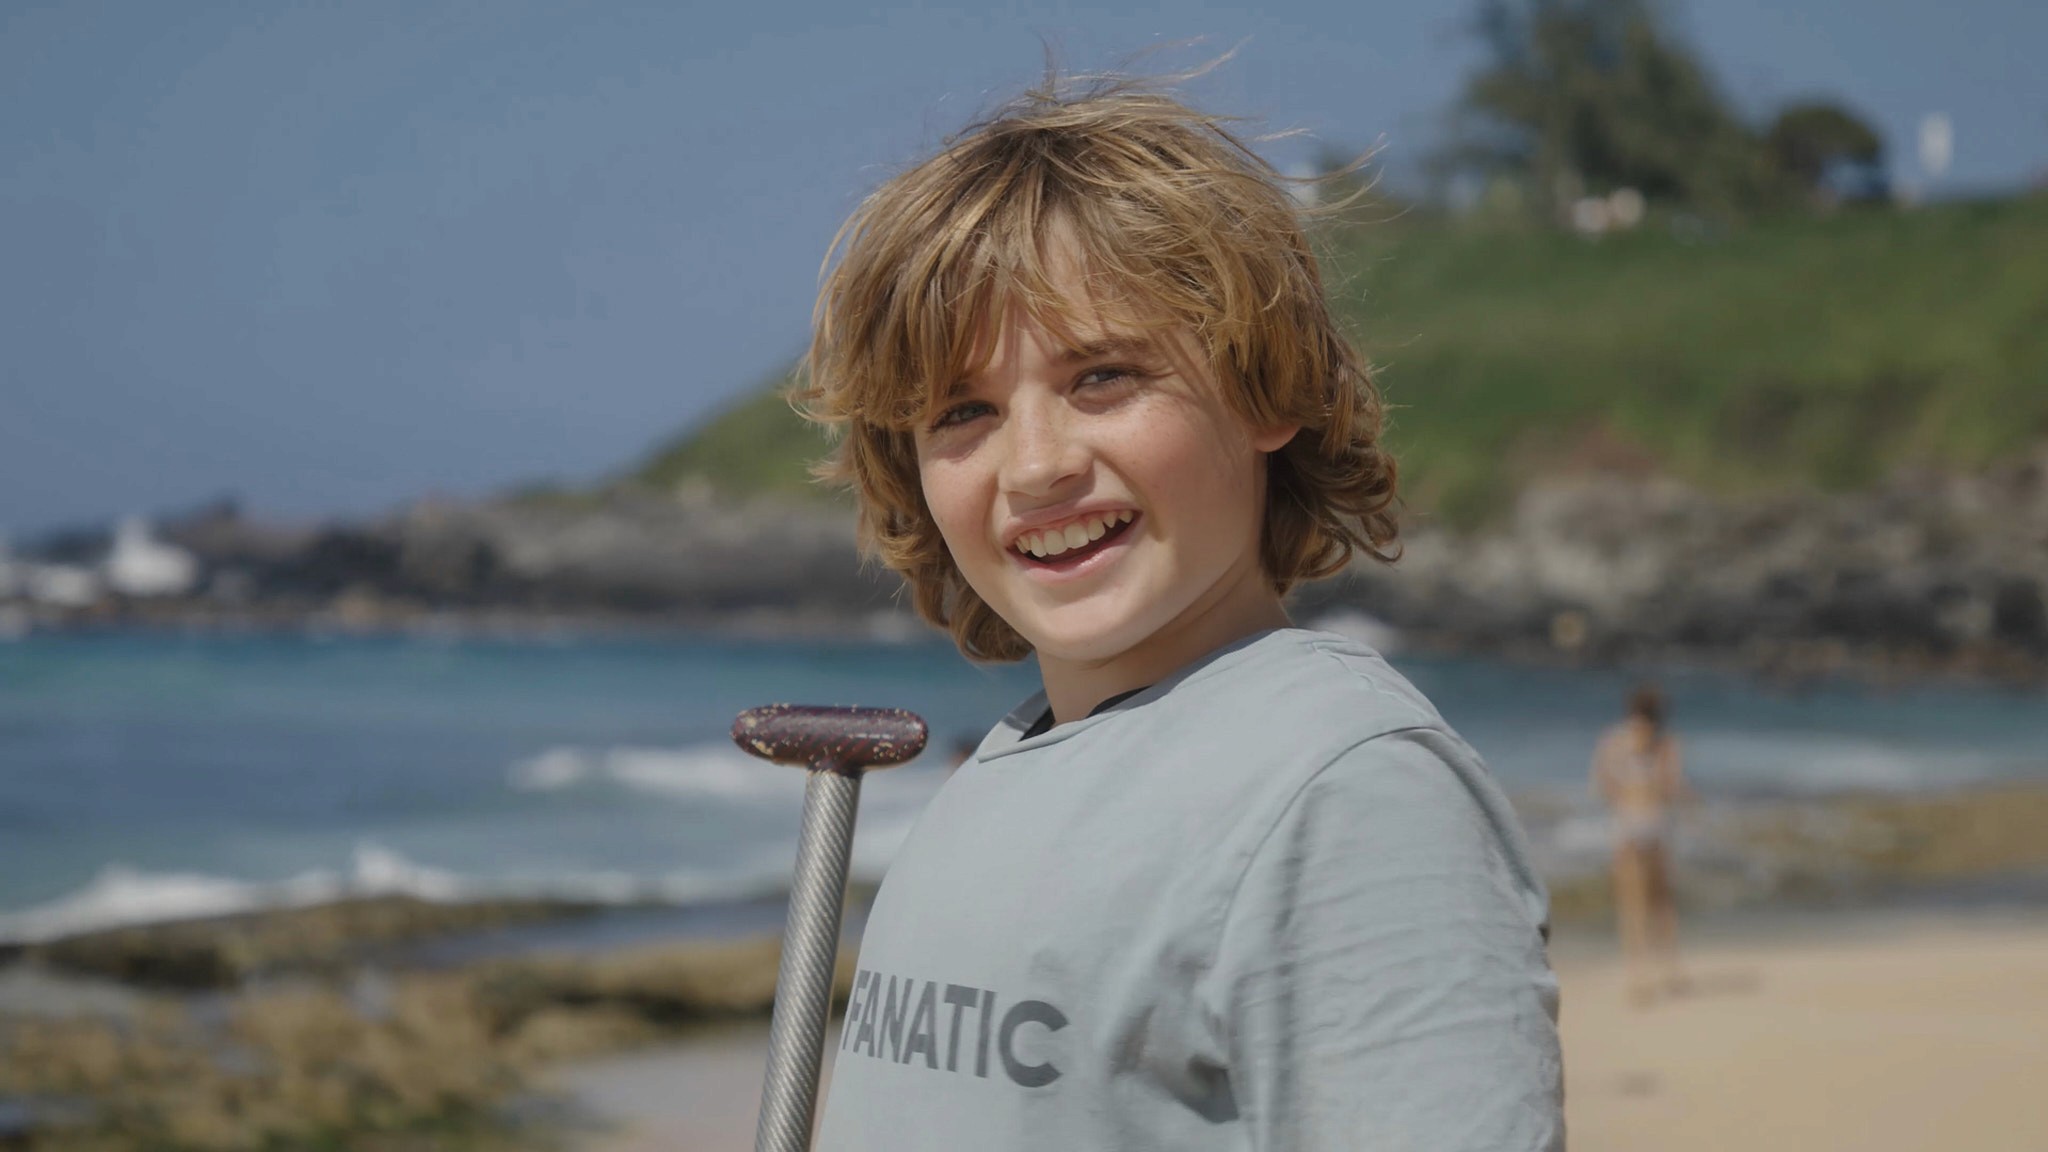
(837, 745)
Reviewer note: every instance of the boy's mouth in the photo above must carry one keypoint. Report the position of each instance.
(1078, 539)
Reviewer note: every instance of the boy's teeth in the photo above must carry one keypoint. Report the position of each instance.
(1078, 534)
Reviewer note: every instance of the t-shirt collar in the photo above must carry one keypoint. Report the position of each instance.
(1008, 736)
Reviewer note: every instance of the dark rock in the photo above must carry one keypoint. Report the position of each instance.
(221, 952)
(1945, 569)
(1926, 567)
(2018, 616)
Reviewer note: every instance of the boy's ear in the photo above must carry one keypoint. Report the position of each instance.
(1274, 438)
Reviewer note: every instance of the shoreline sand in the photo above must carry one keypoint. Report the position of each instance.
(1872, 1031)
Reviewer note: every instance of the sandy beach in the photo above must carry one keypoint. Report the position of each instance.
(1877, 1032)
(1879, 1035)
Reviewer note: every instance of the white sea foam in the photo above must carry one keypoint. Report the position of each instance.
(551, 771)
(1571, 833)
(1756, 761)
(700, 772)
(1813, 763)
(122, 895)
(380, 871)
(708, 773)
(717, 774)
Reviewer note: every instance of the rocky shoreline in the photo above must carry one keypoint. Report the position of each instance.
(296, 1028)
(1927, 574)
(309, 1027)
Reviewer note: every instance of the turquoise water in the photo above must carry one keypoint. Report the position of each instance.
(144, 776)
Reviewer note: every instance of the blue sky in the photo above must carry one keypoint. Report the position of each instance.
(332, 257)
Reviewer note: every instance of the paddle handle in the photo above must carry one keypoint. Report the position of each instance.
(810, 954)
(838, 745)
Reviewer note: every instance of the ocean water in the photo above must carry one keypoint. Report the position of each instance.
(149, 776)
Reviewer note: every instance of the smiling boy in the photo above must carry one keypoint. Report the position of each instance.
(1224, 884)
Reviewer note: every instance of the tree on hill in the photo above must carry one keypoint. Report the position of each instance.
(1588, 96)
(1829, 151)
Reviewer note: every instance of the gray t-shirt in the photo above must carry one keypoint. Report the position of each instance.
(1270, 903)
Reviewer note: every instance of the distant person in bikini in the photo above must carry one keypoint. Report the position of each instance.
(1637, 771)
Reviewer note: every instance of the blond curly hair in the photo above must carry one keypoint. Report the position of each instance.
(1179, 218)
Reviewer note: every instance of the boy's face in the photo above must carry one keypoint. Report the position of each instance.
(1096, 490)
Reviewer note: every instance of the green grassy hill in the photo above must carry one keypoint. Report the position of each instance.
(1821, 352)
(758, 445)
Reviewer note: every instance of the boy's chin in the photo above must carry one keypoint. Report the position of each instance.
(1086, 640)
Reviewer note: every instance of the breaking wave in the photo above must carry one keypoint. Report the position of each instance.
(122, 896)
(719, 775)
(702, 772)
(1817, 763)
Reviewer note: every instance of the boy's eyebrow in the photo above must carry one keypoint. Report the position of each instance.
(1102, 347)
(1116, 345)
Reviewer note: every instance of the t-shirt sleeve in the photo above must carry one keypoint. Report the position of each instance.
(1381, 979)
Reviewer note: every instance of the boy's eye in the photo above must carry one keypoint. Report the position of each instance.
(960, 414)
(1110, 375)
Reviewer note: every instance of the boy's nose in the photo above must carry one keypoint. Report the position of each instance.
(1040, 451)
